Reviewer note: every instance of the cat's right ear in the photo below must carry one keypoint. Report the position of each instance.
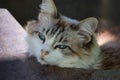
(88, 27)
(48, 7)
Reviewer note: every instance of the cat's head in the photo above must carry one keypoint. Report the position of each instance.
(57, 40)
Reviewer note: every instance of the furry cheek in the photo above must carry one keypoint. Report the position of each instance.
(54, 57)
(34, 44)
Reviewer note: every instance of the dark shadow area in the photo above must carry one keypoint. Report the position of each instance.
(14, 70)
(30, 69)
(24, 10)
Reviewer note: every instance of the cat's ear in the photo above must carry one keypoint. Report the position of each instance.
(48, 7)
(87, 28)
(89, 25)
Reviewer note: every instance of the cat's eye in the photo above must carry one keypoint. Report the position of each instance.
(42, 37)
(62, 46)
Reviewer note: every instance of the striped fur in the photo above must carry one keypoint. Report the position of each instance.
(68, 42)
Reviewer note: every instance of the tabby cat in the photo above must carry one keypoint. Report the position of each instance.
(58, 40)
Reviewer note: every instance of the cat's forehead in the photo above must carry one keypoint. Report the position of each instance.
(55, 26)
(60, 25)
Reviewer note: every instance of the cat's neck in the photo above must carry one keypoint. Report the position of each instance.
(95, 55)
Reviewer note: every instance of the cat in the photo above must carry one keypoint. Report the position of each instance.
(57, 40)
(109, 42)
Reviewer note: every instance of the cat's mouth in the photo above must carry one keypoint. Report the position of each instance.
(43, 61)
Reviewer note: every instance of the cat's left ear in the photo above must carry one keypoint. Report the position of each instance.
(89, 25)
(48, 7)
(87, 28)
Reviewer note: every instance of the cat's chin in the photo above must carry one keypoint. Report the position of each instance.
(41, 61)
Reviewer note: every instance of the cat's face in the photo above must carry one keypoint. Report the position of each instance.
(60, 40)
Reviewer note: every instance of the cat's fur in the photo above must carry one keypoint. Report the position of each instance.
(109, 41)
(82, 49)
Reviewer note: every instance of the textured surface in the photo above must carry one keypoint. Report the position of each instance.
(15, 66)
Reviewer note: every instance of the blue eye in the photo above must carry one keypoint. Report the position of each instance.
(62, 46)
(42, 37)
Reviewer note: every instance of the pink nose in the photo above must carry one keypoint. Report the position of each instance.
(43, 53)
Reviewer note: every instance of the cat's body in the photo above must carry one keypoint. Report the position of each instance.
(57, 40)
(109, 42)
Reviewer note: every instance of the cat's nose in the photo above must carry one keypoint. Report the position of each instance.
(43, 53)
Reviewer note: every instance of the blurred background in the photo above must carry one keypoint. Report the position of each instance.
(107, 11)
